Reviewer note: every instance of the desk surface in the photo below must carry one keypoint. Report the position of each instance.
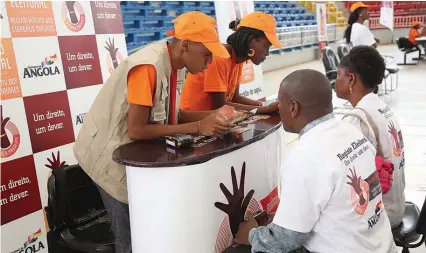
(156, 153)
(423, 38)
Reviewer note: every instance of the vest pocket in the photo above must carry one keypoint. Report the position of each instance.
(86, 136)
(116, 171)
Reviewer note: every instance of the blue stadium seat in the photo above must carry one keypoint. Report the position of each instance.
(148, 21)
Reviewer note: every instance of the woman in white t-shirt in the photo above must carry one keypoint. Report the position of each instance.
(358, 34)
(358, 74)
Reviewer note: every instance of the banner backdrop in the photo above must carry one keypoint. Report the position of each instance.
(55, 57)
(386, 14)
(227, 11)
(321, 10)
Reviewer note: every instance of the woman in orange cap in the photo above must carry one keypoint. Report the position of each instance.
(219, 83)
(357, 34)
(415, 33)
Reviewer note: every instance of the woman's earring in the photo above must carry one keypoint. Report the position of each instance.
(350, 90)
(251, 53)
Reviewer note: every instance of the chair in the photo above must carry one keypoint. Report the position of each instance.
(331, 62)
(404, 45)
(342, 50)
(412, 227)
(76, 215)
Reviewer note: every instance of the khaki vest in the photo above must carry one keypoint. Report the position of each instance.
(105, 125)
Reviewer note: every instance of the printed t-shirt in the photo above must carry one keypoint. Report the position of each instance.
(141, 84)
(392, 145)
(361, 35)
(316, 197)
(222, 75)
(413, 35)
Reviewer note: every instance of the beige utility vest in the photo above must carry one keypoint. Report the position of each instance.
(105, 125)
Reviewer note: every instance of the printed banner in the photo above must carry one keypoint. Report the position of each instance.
(386, 14)
(226, 12)
(322, 26)
(55, 56)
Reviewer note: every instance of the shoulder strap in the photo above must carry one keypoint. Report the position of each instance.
(375, 129)
(364, 125)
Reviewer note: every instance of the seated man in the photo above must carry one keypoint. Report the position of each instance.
(331, 198)
(415, 33)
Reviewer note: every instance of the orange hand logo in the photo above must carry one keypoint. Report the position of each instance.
(395, 140)
(359, 192)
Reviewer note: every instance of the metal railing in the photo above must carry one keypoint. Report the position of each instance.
(300, 36)
(399, 21)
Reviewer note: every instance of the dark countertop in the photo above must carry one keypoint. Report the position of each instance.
(155, 153)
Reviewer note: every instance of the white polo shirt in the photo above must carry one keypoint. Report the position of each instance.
(392, 145)
(319, 196)
(361, 35)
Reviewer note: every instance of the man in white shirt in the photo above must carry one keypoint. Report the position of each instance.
(331, 199)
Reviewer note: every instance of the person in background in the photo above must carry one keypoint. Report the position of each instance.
(140, 101)
(358, 75)
(416, 33)
(357, 33)
(331, 198)
(220, 83)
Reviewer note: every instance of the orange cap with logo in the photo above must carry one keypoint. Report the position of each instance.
(357, 5)
(416, 23)
(263, 22)
(198, 27)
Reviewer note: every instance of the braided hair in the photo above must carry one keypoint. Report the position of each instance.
(352, 19)
(367, 62)
(239, 40)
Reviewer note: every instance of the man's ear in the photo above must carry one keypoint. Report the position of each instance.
(185, 44)
(295, 109)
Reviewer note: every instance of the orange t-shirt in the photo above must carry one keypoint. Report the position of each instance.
(413, 35)
(223, 75)
(141, 83)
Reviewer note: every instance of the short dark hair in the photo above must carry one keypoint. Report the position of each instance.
(367, 62)
(239, 40)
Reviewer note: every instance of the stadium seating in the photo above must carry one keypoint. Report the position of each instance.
(149, 21)
(400, 8)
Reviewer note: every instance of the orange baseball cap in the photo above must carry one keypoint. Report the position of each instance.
(263, 22)
(198, 27)
(357, 5)
(416, 23)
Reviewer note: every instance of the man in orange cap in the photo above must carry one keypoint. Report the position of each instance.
(219, 84)
(415, 33)
(140, 101)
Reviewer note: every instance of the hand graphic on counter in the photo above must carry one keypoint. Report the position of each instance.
(71, 11)
(237, 202)
(355, 182)
(110, 47)
(55, 163)
(5, 142)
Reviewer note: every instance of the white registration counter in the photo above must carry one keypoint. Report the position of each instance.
(192, 200)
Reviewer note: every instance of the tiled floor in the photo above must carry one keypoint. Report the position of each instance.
(408, 102)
